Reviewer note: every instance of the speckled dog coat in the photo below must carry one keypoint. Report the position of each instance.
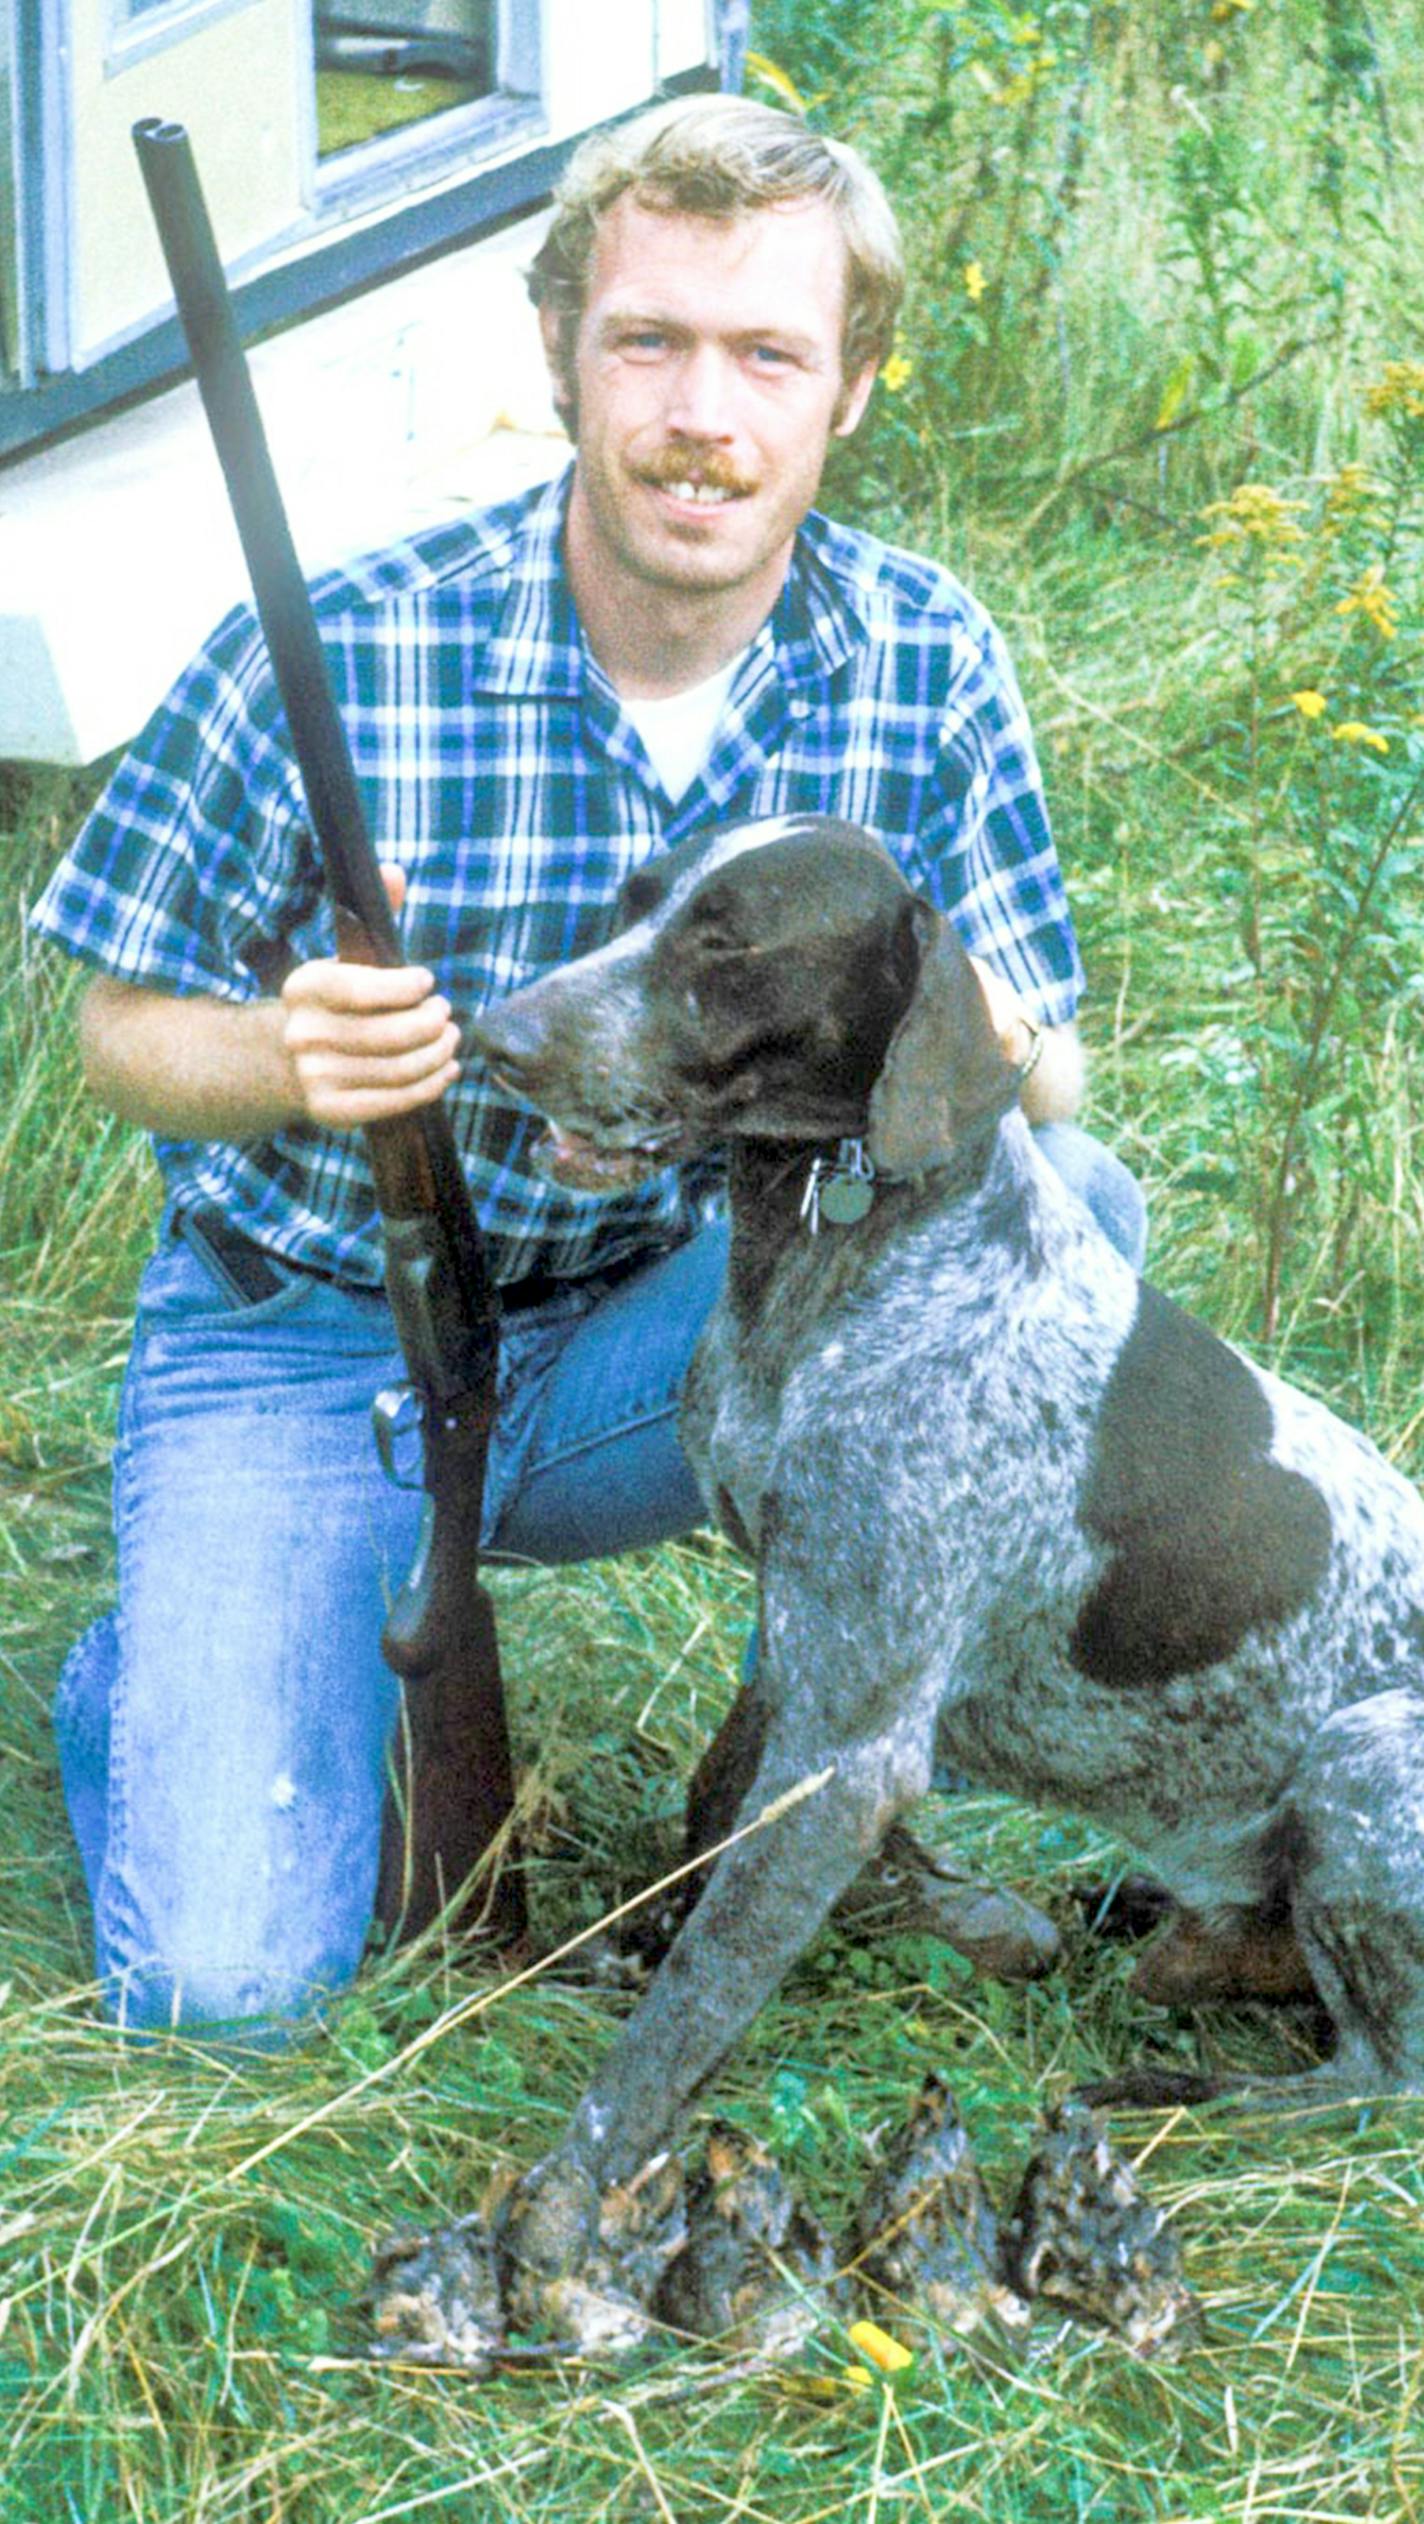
(1010, 1508)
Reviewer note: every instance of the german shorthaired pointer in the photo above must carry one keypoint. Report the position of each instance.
(1011, 1510)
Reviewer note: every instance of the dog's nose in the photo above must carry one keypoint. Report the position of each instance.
(513, 1031)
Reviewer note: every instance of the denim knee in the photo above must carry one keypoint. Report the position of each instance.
(233, 2008)
(184, 1975)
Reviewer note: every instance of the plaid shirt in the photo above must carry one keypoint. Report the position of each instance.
(496, 765)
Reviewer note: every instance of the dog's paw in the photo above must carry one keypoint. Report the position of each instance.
(757, 2270)
(435, 2298)
(925, 2234)
(545, 2226)
(1084, 2237)
(1124, 1909)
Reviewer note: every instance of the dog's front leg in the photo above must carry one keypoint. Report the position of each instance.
(762, 1905)
(764, 1901)
(840, 1747)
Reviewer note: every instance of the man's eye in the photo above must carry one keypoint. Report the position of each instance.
(770, 355)
(647, 341)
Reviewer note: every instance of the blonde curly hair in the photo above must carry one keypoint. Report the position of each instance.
(722, 157)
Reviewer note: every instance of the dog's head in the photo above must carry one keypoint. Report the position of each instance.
(775, 980)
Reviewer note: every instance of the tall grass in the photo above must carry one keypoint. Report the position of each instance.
(1195, 229)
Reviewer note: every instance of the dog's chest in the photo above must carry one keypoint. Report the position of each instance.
(732, 1408)
(902, 1388)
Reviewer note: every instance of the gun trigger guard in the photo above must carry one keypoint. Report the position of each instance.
(398, 1419)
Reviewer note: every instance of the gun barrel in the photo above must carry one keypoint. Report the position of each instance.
(284, 609)
(441, 1632)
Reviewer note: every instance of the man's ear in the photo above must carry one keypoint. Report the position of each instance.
(854, 397)
(946, 1071)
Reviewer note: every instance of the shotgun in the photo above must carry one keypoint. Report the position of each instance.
(439, 1638)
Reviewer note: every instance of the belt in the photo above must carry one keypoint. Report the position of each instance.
(251, 1274)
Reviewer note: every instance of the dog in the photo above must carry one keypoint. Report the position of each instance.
(1011, 1510)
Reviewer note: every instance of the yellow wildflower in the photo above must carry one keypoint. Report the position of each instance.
(1254, 514)
(782, 84)
(1311, 705)
(896, 372)
(1399, 389)
(1374, 600)
(1355, 732)
(974, 282)
(1351, 485)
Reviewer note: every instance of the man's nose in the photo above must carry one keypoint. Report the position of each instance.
(701, 403)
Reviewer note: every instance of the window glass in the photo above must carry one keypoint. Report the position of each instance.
(382, 63)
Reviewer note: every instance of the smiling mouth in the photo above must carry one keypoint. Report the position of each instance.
(698, 494)
(710, 483)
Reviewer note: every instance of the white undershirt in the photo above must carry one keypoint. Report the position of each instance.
(678, 731)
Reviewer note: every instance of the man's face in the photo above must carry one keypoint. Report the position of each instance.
(708, 384)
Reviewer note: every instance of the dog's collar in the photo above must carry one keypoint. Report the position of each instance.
(840, 1189)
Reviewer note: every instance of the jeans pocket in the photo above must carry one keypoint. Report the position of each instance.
(181, 1284)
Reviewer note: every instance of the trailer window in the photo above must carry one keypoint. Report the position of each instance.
(383, 63)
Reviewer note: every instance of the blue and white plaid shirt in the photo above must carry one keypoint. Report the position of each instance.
(497, 767)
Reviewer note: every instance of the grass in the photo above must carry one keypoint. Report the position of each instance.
(355, 106)
(182, 2240)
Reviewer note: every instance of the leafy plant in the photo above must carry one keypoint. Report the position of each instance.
(1324, 588)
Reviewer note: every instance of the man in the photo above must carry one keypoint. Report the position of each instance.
(538, 700)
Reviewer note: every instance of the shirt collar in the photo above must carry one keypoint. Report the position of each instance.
(816, 623)
(536, 646)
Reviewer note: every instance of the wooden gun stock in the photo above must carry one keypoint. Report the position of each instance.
(440, 1638)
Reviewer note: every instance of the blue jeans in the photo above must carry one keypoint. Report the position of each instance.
(222, 1734)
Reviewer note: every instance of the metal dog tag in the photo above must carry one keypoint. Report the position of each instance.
(842, 1188)
(846, 1198)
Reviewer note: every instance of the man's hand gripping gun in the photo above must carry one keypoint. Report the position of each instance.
(440, 1636)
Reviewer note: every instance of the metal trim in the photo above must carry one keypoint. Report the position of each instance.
(12, 285)
(335, 269)
(131, 39)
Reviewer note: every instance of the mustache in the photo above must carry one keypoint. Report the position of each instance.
(710, 469)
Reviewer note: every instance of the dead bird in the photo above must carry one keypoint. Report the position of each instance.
(758, 2269)
(435, 2297)
(586, 2264)
(575, 2268)
(925, 2234)
(1084, 2236)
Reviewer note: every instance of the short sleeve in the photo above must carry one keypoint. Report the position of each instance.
(195, 863)
(985, 853)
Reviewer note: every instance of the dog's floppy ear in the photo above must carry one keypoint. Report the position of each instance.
(945, 1070)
